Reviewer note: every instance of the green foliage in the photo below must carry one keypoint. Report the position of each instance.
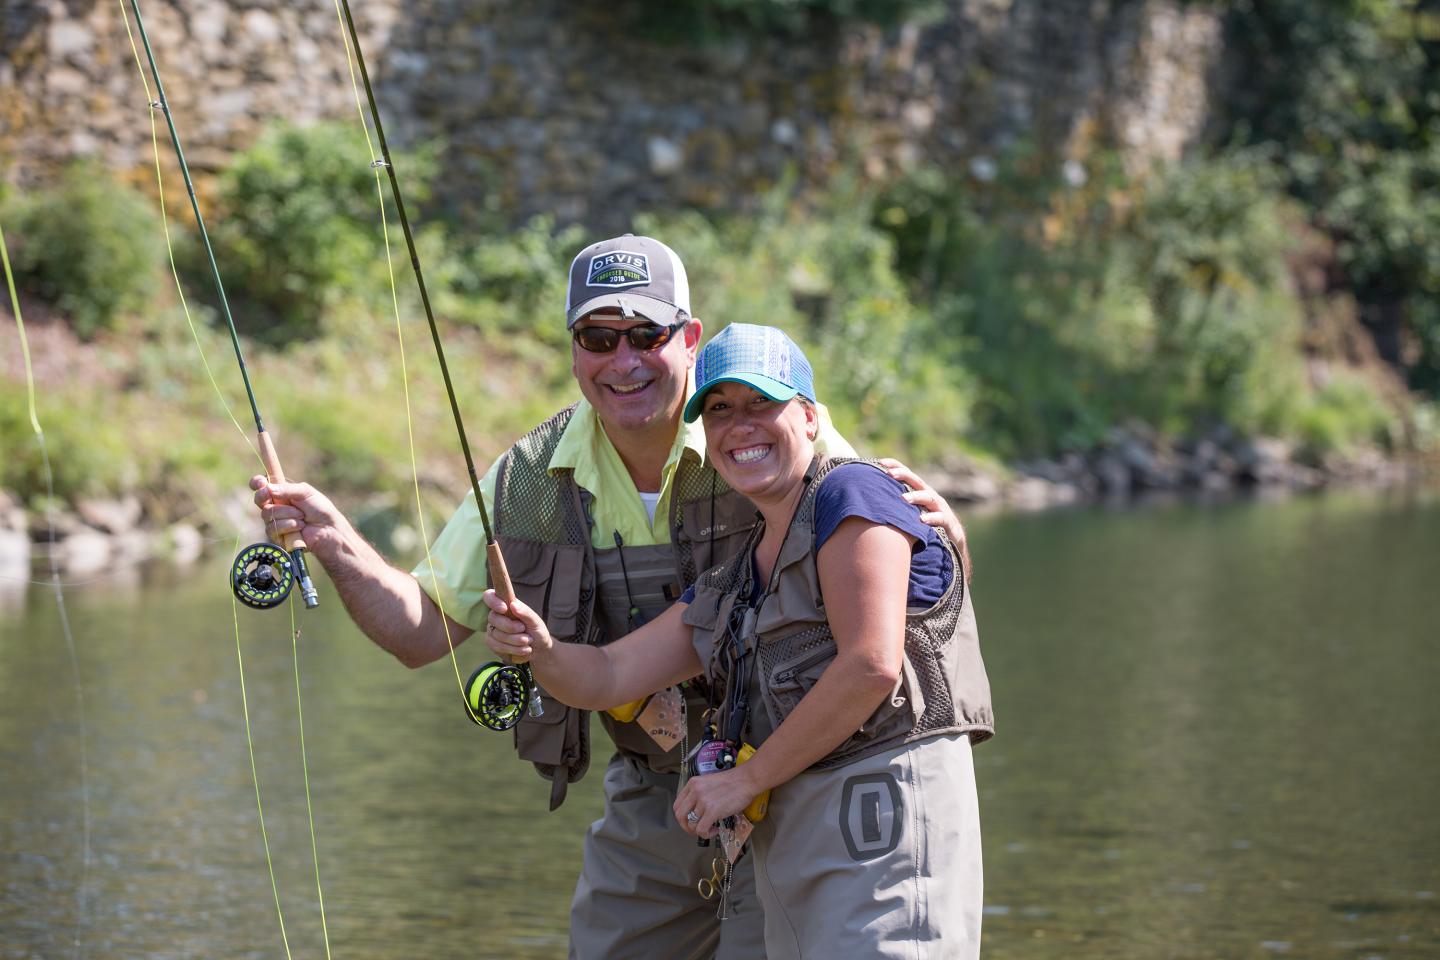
(1344, 94)
(87, 244)
(1207, 246)
(297, 229)
(83, 460)
(1080, 305)
(1343, 414)
(506, 282)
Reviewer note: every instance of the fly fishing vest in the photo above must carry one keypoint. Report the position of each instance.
(943, 688)
(590, 595)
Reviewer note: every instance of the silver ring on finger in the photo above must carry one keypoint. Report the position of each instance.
(692, 817)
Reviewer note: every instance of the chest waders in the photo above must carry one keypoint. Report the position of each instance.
(594, 595)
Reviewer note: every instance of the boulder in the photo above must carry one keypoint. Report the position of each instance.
(1263, 461)
(184, 543)
(14, 554)
(113, 516)
(1111, 472)
(83, 551)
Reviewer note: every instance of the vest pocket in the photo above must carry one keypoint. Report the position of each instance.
(547, 578)
(717, 534)
(542, 739)
(704, 616)
(894, 716)
(791, 679)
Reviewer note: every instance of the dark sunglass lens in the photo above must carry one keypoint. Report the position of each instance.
(649, 337)
(597, 339)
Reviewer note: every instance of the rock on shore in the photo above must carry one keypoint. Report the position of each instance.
(1132, 462)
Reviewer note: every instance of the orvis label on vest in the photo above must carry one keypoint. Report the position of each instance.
(664, 718)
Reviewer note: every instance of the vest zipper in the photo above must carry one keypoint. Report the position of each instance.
(788, 674)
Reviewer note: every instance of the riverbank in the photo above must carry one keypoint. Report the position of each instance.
(1132, 465)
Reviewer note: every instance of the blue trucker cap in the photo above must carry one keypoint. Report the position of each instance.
(762, 358)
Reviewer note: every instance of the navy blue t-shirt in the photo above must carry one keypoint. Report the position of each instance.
(860, 490)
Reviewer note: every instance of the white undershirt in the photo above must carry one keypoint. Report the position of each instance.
(651, 501)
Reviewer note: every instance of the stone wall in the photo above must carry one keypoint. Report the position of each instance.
(551, 106)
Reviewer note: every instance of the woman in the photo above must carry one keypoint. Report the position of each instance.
(841, 645)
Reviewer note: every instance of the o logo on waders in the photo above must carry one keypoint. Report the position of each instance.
(871, 815)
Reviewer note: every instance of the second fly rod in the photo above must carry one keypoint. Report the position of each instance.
(496, 692)
(263, 573)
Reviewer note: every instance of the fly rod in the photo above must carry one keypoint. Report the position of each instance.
(263, 573)
(495, 692)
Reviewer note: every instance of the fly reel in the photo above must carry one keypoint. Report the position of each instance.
(262, 575)
(496, 694)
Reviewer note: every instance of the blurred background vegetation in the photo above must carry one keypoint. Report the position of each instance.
(1020, 308)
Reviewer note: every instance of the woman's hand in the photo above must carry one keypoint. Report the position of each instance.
(712, 797)
(934, 509)
(515, 631)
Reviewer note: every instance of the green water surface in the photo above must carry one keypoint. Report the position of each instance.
(1217, 738)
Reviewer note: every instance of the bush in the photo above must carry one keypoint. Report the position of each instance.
(87, 244)
(297, 227)
(505, 281)
(1344, 414)
(1207, 245)
(83, 459)
(1084, 301)
(1344, 94)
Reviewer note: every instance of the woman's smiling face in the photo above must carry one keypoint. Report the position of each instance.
(760, 447)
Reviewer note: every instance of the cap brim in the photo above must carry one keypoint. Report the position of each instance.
(774, 389)
(656, 311)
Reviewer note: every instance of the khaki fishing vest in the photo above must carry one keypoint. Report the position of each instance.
(543, 526)
(943, 688)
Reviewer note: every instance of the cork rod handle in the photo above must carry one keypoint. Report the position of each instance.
(290, 541)
(499, 575)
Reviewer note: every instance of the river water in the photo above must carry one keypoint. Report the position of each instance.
(1217, 738)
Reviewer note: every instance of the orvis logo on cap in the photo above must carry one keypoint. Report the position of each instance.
(619, 269)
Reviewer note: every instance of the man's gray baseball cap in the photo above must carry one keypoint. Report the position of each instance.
(639, 276)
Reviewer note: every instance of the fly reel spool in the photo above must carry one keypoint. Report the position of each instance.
(262, 575)
(496, 695)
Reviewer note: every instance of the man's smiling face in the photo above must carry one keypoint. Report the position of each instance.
(630, 389)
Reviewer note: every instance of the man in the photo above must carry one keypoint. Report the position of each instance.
(605, 513)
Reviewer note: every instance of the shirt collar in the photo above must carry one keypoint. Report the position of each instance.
(584, 434)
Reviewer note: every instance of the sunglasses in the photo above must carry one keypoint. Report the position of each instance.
(646, 336)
